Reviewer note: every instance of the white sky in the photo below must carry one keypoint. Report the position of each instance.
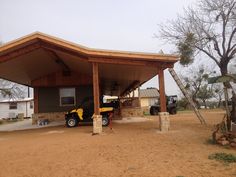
(105, 24)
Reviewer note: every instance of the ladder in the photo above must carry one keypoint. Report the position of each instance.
(185, 93)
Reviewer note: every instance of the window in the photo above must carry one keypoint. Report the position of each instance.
(67, 96)
(12, 105)
(31, 104)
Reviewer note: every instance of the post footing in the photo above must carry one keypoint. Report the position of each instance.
(164, 121)
(97, 124)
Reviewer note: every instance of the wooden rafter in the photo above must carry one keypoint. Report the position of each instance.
(59, 61)
(131, 87)
(19, 52)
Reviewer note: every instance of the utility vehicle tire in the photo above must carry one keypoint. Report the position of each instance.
(154, 111)
(72, 122)
(173, 111)
(105, 120)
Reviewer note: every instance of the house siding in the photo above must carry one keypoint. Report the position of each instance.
(49, 98)
(148, 101)
(5, 112)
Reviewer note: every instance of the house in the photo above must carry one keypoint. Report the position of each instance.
(148, 97)
(11, 108)
(63, 73)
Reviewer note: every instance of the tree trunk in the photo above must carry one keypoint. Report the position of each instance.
(224, 71)
(219, 103)
(205, 105)
(233, 111)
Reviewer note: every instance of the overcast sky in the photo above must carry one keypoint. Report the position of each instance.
(105, 24)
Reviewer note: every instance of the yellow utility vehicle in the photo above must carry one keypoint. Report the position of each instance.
(85, 113)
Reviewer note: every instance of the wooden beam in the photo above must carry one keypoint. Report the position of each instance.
(58, 60)
(59, 79)
(36, 100)
(130, 88)
(124, 62)
(139, 97)
(162, 90)
(82, 56)
(96, 94)
(19, 52)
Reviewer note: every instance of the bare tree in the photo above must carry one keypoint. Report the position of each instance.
(218, 93)
(195, 81)
(11, 90)
(209, 27)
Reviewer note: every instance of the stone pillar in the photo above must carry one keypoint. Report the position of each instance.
(97, 124)
(164, 121)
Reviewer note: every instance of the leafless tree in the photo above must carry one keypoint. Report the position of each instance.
(195, 81)
(11, 90)
(218, 93)
(209, 27)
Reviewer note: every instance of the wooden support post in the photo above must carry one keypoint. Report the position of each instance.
(96, 89)
(162, 90)
(139, 97)
(36, 100)
(97, 118)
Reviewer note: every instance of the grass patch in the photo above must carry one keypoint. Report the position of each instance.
(223, 157)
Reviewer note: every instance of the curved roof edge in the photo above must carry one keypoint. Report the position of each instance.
(86, 50)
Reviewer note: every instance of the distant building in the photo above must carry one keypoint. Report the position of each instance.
(149, 96)
(11, 108)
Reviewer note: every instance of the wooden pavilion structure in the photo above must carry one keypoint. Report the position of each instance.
(42, 62)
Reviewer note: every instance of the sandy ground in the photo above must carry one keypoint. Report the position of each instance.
(131, 149)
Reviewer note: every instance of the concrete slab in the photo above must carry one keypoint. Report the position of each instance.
(26, 124)
(130, 120)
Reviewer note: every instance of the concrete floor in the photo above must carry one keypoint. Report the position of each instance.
(26, 124)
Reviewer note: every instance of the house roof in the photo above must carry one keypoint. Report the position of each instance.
(38, 55)
(149, 93)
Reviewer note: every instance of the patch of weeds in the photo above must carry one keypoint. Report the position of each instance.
(210, 141)
(227, 146)
(223, 157)
(1, 122)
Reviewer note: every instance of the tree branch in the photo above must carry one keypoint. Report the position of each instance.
(208, 54)
(223, 32)
(230, 40)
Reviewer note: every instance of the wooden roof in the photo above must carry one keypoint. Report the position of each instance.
(36, 55)
(38, 36)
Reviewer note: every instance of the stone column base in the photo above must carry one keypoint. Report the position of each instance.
(164, 121)
(97, 124)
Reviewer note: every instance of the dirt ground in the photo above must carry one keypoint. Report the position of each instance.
(131, 149)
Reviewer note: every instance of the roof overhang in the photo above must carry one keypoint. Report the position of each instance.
(36, 55)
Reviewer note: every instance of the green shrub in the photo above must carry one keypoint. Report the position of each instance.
(223, 157)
